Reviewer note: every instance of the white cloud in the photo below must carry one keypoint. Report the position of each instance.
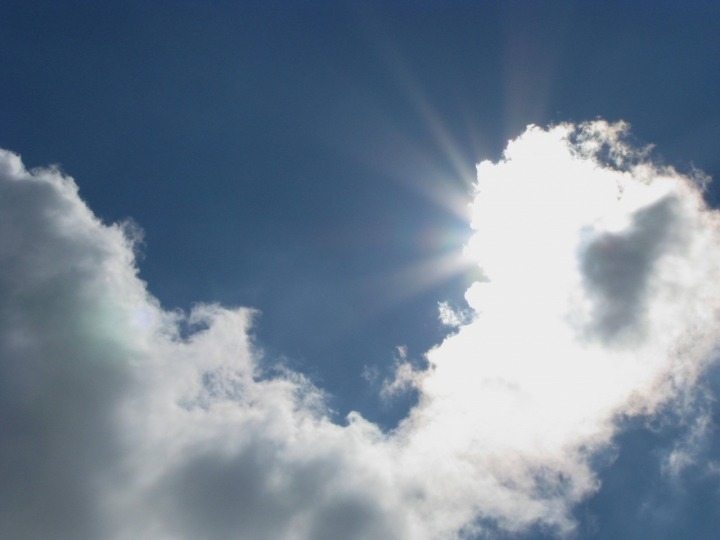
(405, 377)
(451, 317)
(602, 300)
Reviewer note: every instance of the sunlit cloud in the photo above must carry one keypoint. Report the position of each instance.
(600, 302)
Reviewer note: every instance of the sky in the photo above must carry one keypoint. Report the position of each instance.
(400, 270)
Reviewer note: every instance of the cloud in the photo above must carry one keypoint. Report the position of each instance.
(405, 378)
(453, 318)
(601, 301)
(617, 268)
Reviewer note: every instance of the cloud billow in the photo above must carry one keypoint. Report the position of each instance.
(618, 266)
(115, 425)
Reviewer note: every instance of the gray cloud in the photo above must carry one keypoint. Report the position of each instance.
(618, 269)
(259, 494)
(62, 371)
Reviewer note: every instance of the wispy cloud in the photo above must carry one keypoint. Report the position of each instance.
(601, 300)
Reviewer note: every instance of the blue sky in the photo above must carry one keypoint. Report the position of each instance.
(315, 161)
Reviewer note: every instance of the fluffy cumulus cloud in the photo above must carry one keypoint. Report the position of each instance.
(601, 303)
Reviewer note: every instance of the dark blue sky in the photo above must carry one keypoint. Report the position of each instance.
(303, 158)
